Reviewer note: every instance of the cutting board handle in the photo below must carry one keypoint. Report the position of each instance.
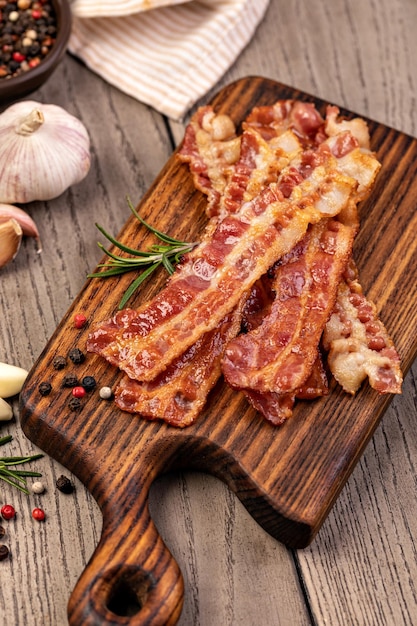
(132, 578)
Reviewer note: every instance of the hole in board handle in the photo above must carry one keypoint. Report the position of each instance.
(126, 590)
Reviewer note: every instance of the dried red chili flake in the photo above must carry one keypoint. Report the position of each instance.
(8, 511)
(38, 514)
(80, 320)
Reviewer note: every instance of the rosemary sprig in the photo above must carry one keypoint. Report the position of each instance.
(167, 254)
(16, 477)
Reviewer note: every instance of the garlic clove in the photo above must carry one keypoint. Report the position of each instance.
(10, 238)
(6, 411)
(28, 226)
(11, 379)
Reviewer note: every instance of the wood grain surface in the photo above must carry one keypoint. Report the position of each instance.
(361, 567)
(288, 477)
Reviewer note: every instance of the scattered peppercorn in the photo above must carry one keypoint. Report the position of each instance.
(2, 532)
(38, 514)
(59, 362)
(38, 487)
(76, 356)
(7, 511)
(45, 389)
(78, 392)
(80, 320)
(65, 485)
(75, 404)
(70, 380)
(4, 552)
(105, 393)
(89, 383)
(22, 25)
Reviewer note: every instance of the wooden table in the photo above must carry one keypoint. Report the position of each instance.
(362, 567)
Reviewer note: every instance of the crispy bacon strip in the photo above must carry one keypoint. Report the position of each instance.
(210, 147)
(277, 407)
(178, 394)
(215, 275)
(358, 343)
(278, 356)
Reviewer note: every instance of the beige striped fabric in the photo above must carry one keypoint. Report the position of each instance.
(165, 53)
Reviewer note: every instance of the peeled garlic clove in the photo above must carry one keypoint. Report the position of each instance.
(10, 238)
(11, 379)
(28, 226)
(6, 412)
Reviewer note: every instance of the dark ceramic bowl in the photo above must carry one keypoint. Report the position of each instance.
(19, 86)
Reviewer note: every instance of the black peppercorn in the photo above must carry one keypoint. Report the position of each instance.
(76, 356)
(70, 381)
(2, 532)
(75, 404)
(45, 389)
(89, 383)
(64, 484)
(4, 552)
(59, 362)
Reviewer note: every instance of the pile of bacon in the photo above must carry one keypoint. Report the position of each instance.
(272, 286)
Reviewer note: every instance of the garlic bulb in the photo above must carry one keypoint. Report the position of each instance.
(10, 238)
(44, 150)
(12, 378)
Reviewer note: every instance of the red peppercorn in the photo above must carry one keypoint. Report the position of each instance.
(79, 320)
(36, 14)
(8, 511)
(38, 515)
(78, 392)
(18, 56)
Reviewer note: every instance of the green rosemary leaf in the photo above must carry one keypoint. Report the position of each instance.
(155, 231)
(136, 283)
(10, 474)
(14, 484)
(166, 255)
(26, 473)
(167, 264)
(118, 244)
(16, 478)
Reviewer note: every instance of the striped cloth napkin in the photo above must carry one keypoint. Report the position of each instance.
(165, 53)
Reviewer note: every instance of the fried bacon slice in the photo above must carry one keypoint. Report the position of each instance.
(278, 356)
(178, 394)
(358, 343)
(210, 147)
(278, 407)
(214, 276)
(287, 169)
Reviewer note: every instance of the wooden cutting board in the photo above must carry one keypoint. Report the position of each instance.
(287, 477)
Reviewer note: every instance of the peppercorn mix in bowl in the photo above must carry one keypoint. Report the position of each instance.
(33, 39)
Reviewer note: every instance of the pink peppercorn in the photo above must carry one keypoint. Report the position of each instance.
(8, 511)
(38, 515)
(78, 392)
(79, 320)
